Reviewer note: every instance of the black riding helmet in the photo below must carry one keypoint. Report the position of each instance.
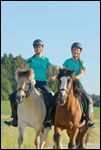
(76, 45)
(38, 42)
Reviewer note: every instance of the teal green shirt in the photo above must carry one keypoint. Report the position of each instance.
(40, 66)
(77, 65)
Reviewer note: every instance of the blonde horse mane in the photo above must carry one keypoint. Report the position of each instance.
(25, 72)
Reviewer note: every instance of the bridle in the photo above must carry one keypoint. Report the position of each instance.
(28, 92)
(66, 90)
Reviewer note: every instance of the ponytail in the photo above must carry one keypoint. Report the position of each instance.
(81, 62)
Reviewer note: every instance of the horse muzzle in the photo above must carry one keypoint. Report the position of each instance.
(19, 98)
(61, 100)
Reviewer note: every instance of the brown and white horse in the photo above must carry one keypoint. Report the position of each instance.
(68, 113)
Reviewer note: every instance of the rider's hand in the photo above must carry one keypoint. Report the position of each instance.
(74, 78)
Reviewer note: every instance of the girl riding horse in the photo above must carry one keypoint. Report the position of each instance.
(76, 63)
(69, 114)
(42, 69)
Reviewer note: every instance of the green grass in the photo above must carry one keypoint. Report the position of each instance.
(6, 110)
(9, 134)
(9, 138)
(97, 113)
(5, 107)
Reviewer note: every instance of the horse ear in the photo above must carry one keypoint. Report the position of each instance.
(31, 74)
(17, 74)
(60, 68)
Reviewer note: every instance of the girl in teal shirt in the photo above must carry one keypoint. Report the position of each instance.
(43, 71)
(80, 67)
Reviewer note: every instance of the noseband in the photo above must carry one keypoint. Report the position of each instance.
(65, 91)
(28, 92)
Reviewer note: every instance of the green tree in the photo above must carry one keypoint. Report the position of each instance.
(5, 85)
(9, 65)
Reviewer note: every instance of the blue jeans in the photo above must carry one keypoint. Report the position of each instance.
(43, 86)
(86, 98)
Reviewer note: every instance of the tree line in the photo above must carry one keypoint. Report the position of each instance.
(9, 64)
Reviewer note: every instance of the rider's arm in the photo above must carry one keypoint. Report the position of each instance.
(49, 74)
(80, 74)
(82, 71)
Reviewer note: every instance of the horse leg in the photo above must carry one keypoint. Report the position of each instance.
(83, 136)
(43, 137)
(69, 133)
(20, 137)
(57, 138)
(72, 143)
(37, 139)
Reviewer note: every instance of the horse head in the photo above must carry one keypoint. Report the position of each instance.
(65, 80)
(25, 81)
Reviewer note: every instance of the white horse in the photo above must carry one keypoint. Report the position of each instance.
(31, 109)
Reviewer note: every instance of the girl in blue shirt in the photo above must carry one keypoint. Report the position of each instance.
(80, 68)
(43, 72)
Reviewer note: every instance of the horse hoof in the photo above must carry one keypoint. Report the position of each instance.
(57, 147)
(81, 147)
(54, 147)
(60, 147)
(70, 146)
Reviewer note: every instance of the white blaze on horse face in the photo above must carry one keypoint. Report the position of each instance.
(63, 84)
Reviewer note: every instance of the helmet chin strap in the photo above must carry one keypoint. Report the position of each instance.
(76, 56)
(39, 54)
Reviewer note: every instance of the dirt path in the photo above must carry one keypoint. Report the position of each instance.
(93, 146)
(88, 146)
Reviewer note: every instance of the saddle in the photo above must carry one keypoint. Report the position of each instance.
(84, 110)
(49, 104)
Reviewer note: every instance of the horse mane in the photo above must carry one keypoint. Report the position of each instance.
(65, 72)
(77, 88)
(25, 72)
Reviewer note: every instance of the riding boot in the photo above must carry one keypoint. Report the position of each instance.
(13, 104)
(51, 116)
(90, 124)
(88, 121)
(48, 122)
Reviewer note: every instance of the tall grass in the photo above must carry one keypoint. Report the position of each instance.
(5, 107)
(9, 134)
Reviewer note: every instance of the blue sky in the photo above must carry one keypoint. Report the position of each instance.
(58, 24)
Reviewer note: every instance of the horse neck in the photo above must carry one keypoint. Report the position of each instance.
(70, 100)
(36, 92)
(34, 96)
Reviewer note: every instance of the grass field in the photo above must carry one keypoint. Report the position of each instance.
(9, 134)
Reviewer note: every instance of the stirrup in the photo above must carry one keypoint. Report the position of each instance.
(8, 123)
(90, 125)
(48, 124)
(13, 123)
